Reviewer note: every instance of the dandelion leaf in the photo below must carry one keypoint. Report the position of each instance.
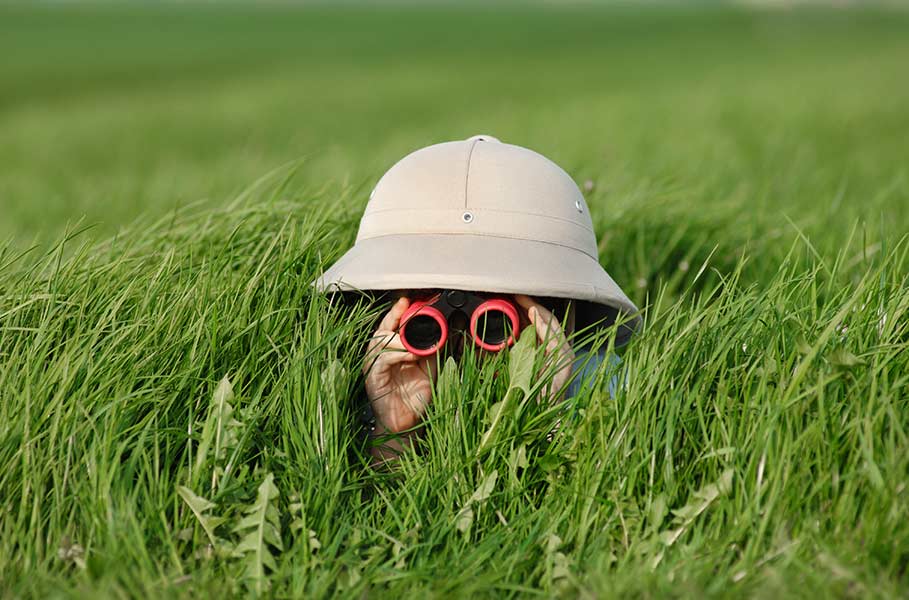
(200, 506)
(261, 531)
(520, 361)
(220, 434)
(464, 519)
(699, 502)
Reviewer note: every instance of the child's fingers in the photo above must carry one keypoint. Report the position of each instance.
(559, 355)
(560, 377)
(525, 302)
(378, 340)
(560, 358)
(549, 330)
(384, 338)
(527, 315)
(540, 317)
(392, 318)
(386, 347)
(395, 352)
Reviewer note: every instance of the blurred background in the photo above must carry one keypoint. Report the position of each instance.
(742, 119)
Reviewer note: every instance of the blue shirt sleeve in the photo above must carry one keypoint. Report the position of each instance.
(584, 370)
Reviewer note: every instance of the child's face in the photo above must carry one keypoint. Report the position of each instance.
(455, 343)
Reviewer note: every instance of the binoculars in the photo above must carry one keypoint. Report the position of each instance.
(492, 321)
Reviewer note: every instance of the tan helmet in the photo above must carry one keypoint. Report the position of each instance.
(485, 216)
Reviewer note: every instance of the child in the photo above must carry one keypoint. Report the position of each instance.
(398, 383)
(475, 216)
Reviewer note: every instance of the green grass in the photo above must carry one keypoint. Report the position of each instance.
(176, 406)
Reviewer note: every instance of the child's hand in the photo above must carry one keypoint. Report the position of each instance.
(398, 383)
(551, 335)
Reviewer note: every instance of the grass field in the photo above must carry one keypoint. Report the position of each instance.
(176, 406)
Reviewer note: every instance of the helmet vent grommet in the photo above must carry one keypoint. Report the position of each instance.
(467, 217)
(577, 205)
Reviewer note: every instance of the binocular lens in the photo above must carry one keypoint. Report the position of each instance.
(493, 327)
(423, 331)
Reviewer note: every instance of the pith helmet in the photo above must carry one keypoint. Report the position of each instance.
(482, 215)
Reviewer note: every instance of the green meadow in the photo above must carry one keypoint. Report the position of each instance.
(177, 407)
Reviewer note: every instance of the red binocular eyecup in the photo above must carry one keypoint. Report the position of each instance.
(492, 321)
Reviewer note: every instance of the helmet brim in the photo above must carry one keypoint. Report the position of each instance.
(485, 264)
